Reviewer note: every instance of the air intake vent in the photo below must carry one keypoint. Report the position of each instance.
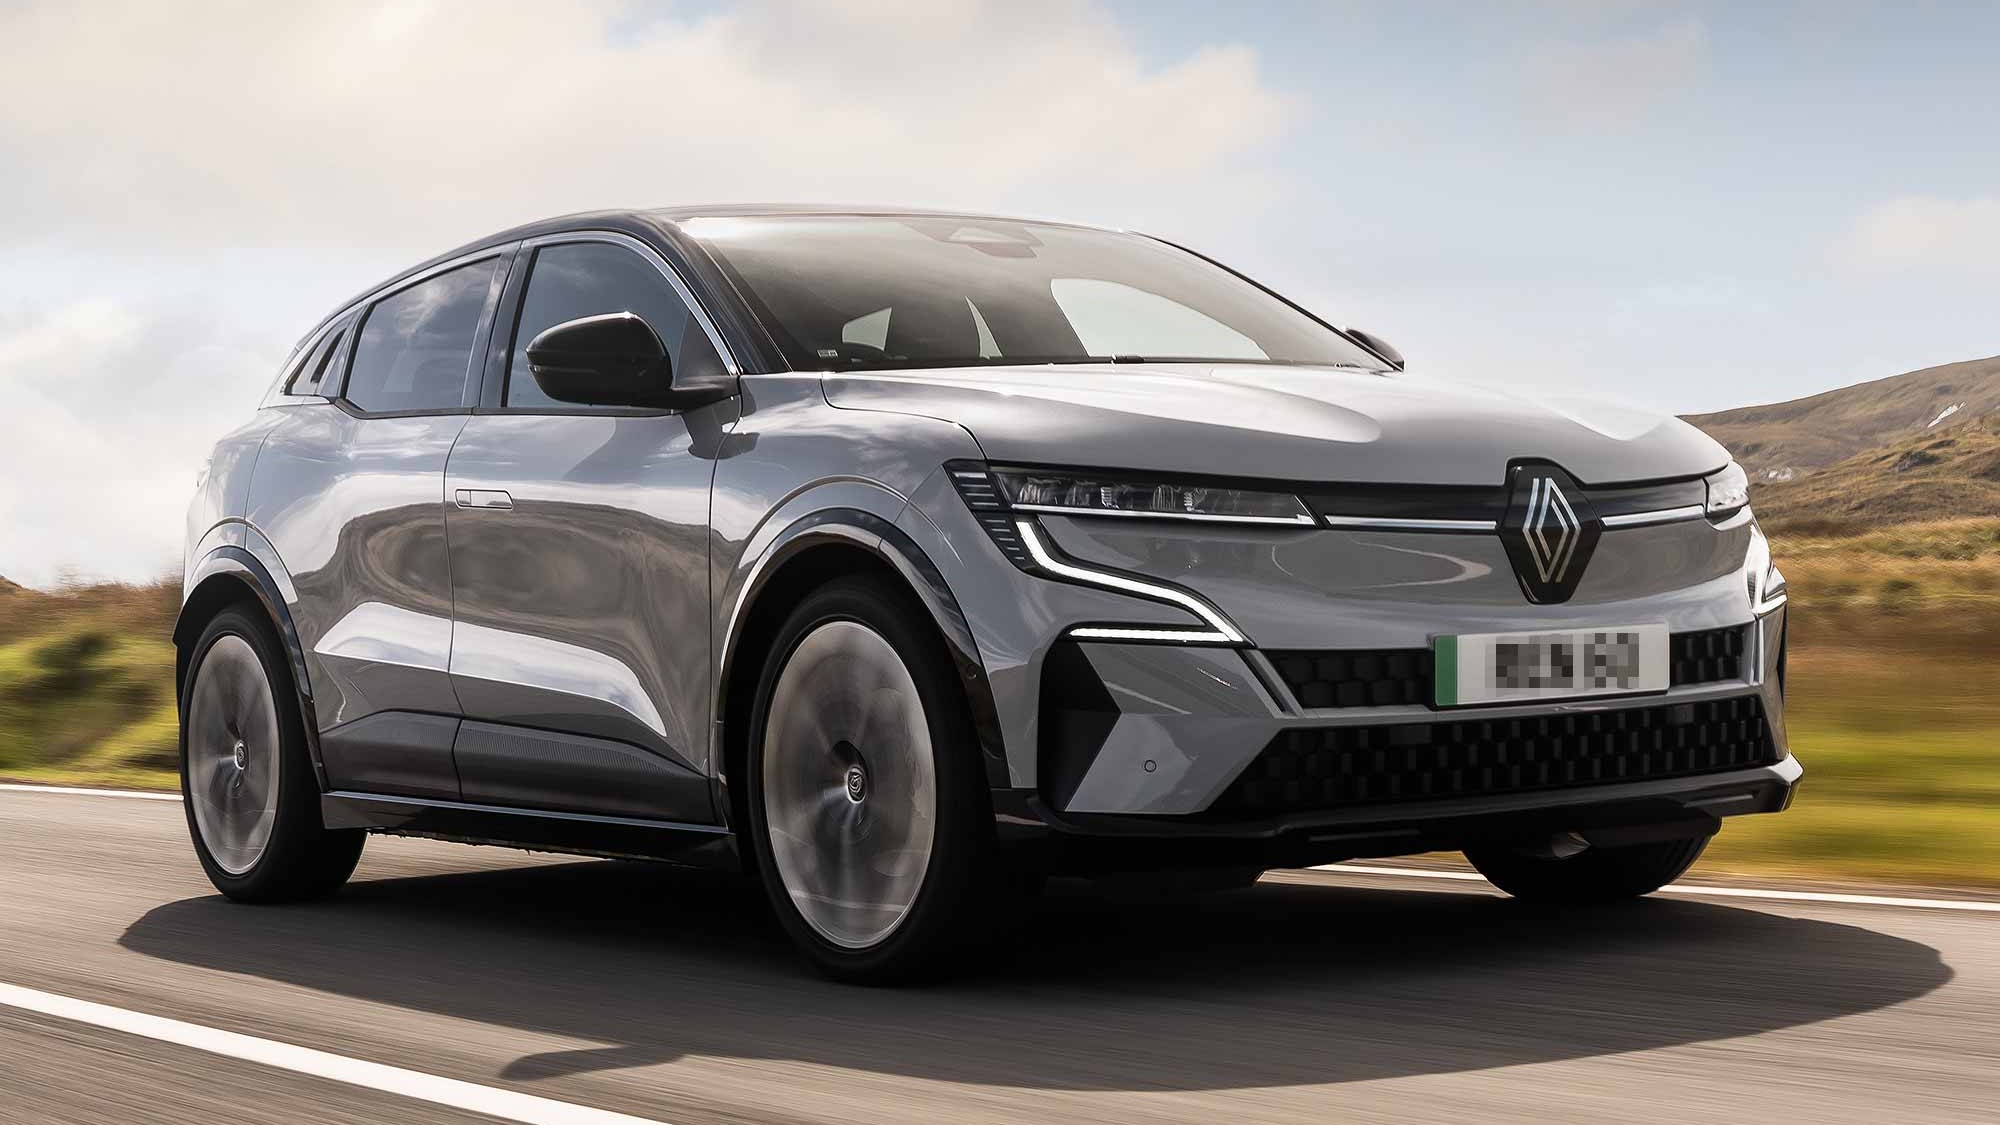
(1339, 767)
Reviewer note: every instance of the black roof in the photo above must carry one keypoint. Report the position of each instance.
(650, 221)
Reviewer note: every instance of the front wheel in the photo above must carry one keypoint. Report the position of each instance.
(867, 810)
(1591, 875)
(247, 783)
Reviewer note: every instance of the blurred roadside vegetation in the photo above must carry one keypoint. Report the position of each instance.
(1894, 691)
(87, 685)
(1894, 679)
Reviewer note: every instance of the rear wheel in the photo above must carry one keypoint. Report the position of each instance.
(247, 784)
(1591, 875)
(867, 806)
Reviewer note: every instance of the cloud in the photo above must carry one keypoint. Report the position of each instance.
(326, 122)
(1607, 82)
(155, 140)
(1925, 230)
(109, 416)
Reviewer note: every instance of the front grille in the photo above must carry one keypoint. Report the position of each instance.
(1709, 656)
(1357, 678)
(1337, 767)
(1391, 677)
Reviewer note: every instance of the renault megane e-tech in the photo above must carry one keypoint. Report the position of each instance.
(906, 558)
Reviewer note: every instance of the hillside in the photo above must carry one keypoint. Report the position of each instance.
(1914, 447)
(1808, 434)
(1941, 474)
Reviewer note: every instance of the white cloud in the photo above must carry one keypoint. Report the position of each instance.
(1606, 82)
(409, 121)
(109, 416)
(149, 138)
(1927, 230)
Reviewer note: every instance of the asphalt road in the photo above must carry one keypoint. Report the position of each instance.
(669, 995)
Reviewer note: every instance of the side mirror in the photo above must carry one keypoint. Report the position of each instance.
(615, 359)
(1377, 345)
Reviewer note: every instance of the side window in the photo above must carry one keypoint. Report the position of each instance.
(415, 345)
(578, 279)
(309, 377)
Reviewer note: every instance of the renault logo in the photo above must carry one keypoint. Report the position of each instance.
(1550, 531)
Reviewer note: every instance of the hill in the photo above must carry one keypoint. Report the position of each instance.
(1807, 434)
(1940, 474)
(1914, 447)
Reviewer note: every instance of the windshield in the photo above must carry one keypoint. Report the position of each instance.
(856, 292)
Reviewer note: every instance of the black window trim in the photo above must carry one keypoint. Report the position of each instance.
(500, 349)
(481, 335)
(281, 393)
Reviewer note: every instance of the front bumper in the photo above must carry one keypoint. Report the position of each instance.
(1154, 755)
(1607, 815)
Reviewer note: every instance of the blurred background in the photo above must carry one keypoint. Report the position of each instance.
(1698, 208)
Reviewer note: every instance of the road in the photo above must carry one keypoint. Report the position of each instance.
(669, 996)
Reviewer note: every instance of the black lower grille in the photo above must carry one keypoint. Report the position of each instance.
(1402, 676)
(1709, 656)
(1335, 767)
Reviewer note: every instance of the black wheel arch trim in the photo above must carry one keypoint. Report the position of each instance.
(867, 531)
(236, 566)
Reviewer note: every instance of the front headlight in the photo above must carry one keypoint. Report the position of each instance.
(1005, 502)
(1070, 493)
(1728, 490)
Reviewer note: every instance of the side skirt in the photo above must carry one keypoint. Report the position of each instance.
(615, 837)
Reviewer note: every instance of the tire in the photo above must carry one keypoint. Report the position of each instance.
(869, 819)
(1594, 875)
(247, 784)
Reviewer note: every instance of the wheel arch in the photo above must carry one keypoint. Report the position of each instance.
(827, 545)
(230, 575)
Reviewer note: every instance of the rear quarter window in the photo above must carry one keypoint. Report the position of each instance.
(309, 377)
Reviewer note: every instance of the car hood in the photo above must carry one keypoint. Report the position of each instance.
(1282, 423)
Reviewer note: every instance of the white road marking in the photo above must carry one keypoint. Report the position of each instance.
(1697, 891)
(70, 790)
(471, 1097)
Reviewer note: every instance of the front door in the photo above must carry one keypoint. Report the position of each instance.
(579, 562)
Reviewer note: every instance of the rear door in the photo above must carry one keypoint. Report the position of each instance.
(349, 488)
(579, 559)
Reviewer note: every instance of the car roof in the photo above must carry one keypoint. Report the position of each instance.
(651, 220)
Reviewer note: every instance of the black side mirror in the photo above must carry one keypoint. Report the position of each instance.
(1377, 345)
(615, 359)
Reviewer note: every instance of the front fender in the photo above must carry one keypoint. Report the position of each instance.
(875, 532)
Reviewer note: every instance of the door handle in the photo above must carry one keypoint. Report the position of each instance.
(492, 499)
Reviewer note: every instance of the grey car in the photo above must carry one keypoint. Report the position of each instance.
(906, 559)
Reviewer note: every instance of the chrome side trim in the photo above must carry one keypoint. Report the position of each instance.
(1663, 515)
(1301, 520)
(667, 270)
(1389, 523)
(1223, 631)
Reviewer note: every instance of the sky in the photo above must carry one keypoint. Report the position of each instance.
(1683, 206)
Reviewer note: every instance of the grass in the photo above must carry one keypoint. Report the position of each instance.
(1895, 703)
(1894, 708)
(87, 685)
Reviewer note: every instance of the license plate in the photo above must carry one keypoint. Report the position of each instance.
(1553, 664)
